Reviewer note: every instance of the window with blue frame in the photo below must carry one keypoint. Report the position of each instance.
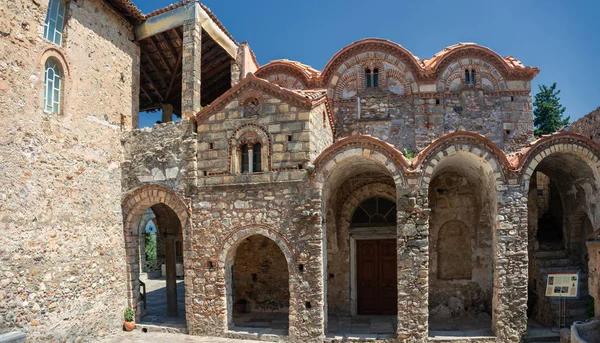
(55, 20)
(52, 86)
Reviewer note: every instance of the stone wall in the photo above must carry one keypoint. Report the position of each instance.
(157, 155)
(61, 172)
(286, 213)
(589, 125)
(413, 123)
(459, 219)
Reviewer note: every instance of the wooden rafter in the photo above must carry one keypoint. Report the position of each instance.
(157, 72)
(170, 47)
(161, 55)
(176, 74)
(151, 84)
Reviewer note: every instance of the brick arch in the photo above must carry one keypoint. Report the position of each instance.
(261, 135)
(396, 53)
(225, 258)
(58, 54)
(374, 189)
(461, 141)
(509, 67)
(483, 70)
(287, 68)
(366, 147)
(561, 142)
(404, 78)
(364, 51)
(350, 76)
(238, 234)
(139, 200)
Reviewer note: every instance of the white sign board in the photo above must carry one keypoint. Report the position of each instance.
(563, 284)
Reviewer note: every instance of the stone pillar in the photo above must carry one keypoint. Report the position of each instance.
(191, 68)
(167, 112)
(171, 276)
(509, 303)
(413, 265)
(593, 276)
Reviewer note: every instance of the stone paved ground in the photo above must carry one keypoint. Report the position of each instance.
(159, 337)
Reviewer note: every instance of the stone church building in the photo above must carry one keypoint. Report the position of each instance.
(382, 191)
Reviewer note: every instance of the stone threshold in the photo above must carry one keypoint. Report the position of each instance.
(259, 334)
(166, 328)
(354, 337)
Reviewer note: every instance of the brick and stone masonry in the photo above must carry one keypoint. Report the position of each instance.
(264, 187)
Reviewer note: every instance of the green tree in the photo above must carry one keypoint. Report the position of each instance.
(547, 115)
(150, 246)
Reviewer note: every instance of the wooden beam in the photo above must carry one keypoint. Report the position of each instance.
(161, 55)
(215, 71)
(151, 83)
(175, 74)
(156, 71)
(172, 50)
(145, 93)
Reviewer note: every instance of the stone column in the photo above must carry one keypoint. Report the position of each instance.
(413, 264)
(191, 68)
(171, 276)
(250, 159)
(167, 112)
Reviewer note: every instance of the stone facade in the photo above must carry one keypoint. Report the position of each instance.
(271, 188)
(61, 254)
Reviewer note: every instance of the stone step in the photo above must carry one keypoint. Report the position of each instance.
(556, 262)
(551, 254)
(542, 335)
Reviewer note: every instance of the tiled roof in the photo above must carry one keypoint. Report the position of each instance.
(167, 8)
(219, 24)
(127, 9)
(311, 94)
(431, 63)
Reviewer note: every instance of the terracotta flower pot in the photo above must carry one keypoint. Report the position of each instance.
(129, 325)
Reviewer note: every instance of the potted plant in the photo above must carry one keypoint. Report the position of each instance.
(129, 323)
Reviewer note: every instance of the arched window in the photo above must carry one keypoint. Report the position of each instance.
(470, 78)
(52, 86)
(256, 158)
(245, 159)
(55, 19)
(375, 212)
(368, 78)
(375, 77)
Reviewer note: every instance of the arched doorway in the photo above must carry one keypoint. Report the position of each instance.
(463, 202)
(559, 202)
(361, 244)
(258, 286)
(158, 296)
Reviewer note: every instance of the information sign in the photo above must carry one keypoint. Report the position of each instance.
(563, 284)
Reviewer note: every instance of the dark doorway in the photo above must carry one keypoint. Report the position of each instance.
(376, 277)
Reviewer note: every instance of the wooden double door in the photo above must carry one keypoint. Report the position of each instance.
(377, 283)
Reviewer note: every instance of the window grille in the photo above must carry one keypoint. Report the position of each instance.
(52, 83)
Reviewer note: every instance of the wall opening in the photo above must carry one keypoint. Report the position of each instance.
(463, 202)
(361, 245)
(258, 285)
(560, 197)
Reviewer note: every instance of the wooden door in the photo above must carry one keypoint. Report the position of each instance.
(376, 276)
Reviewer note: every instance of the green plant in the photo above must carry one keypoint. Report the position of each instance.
(409, 154)
(590, 309)
(548, 112)
(130, 313)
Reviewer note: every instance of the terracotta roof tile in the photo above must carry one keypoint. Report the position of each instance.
(127, 9)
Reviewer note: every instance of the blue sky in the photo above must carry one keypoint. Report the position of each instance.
(562, 38)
